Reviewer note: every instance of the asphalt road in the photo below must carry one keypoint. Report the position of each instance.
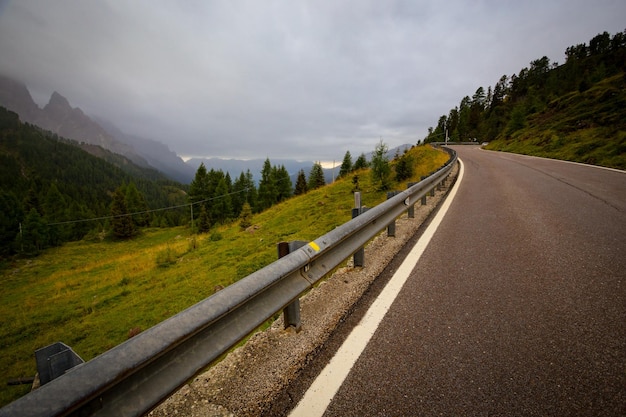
(517, 306)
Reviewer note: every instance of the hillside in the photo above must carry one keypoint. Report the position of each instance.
(45, 179)
(93, 294)
(588, 127)
(574, 111)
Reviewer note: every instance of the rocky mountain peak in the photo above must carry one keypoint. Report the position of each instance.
(58, 105)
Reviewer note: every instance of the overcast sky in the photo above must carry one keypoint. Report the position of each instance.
(283, 78)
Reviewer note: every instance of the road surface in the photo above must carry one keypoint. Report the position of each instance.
(517, 305)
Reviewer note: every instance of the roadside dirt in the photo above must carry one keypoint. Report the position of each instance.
(249, 378)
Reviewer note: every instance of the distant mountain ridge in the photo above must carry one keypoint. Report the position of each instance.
(59, 117)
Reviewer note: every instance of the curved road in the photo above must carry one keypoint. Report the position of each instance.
(517, 306)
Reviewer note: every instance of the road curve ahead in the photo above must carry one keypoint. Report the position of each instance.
(517, 306)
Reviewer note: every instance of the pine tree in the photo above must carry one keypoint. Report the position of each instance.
(121, 222)
(243, 191)
(136, 204)
(204, 223)
(361, 163)
(316, 177)
(10, 217)
(54, 207)
(267, 187)
(346, 165)
(33, 236)
(199, 188)
(301, 185)
(284, 187)
(239, 194)
(380, 167)
(245, 218)
(221, 205)
(252, 194)
(404, 167)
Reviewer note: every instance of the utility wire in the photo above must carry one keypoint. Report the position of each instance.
(147, 211)
(153, 210)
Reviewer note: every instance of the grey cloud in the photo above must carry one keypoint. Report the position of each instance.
(306, 79)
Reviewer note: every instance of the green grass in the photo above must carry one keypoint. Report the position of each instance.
(90, 294)
(588, 127)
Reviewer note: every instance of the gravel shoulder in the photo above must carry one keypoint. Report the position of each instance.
(249, 378)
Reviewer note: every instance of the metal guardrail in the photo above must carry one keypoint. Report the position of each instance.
(135, 376)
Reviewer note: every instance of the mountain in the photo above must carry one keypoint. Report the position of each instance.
(157, 154)
(60, 117)
(61, 201)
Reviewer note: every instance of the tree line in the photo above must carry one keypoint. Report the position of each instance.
(51, 190)
(216, 199)
(504, 109)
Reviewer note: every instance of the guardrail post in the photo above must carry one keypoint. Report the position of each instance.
(291, 313)
(54, 360)
(391, 227)
(411, 210)
(422, 178)
(432, 190)
(359, 256)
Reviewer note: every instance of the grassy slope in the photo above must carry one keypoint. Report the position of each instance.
(588, 127)
(90, 294)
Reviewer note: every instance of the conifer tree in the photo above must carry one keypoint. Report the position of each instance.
(54, 207)
(346, 165)
(301, 185)
(252, 194)
(198, 189)
(267, 187)
(245, 218)
(284, 187)
(221, 205)
(380, 166)
(137, 205)
(361, 162)
(316, 177)
(238, 197)
(33, 236)
(121, 222)
(10, 217)
(404, 167)
(204, 223)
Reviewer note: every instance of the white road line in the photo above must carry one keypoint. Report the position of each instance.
(327, 383)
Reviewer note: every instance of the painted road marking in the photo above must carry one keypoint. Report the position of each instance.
(327, 383)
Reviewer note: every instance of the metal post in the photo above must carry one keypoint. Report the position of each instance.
(391, 227)
(291, 313)
(422, 178)
(411, 210)
(359, 255)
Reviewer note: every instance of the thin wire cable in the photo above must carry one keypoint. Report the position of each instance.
(147, 211)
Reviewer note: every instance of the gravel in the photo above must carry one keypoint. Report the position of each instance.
(250, 377)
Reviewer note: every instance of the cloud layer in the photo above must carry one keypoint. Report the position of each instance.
(278, 78)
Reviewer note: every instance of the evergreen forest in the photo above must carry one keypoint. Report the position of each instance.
(574, 111)
(52, 191)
